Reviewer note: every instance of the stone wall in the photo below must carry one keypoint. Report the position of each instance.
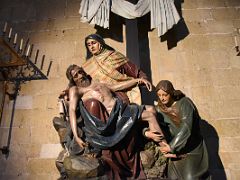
(204, 65)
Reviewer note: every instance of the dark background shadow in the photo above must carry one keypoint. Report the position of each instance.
(115, 30)
(211, 139)
(179, 31)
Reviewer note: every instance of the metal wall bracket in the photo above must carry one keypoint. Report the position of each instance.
(16, 66)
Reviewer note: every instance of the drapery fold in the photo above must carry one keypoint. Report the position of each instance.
(163, 12)
(95, 12)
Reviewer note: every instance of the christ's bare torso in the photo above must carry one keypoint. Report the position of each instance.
(98, 91)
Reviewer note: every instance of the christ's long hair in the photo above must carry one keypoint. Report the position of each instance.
(70, 77)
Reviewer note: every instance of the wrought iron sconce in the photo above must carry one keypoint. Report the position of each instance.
(17, 67)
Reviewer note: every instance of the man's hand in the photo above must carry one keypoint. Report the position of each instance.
(146, 82)
(64, 94)
(81, 143)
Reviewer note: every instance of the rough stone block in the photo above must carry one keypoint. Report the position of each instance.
(202, 60)
(166, 61)
(203, 64)
(229, 157)
(234, 60)
(67, 23)
(50, 150)
(49, 176)
(50, 9)
(41, 167)
(3, 165)
(204, 4)
(219, 26)
(25, 150)
(225, 13)
(189, 5)
(221, 59)
(232, 3)
(72, 8)
(18, 121)
(40, 25)
(41, 118)
(48, 135)
(221, 42)
(197, 42)
(16, 167)
(34, 87)
(211, 4)
(218, 3)
(40, 99)
(229, 144)
(222, 112)
(235, 174)
(52, 101)
(22, 11)
(220, 78)
(197, 27)
(82, 167)
(231, 89)
(5, 12)
(22, 134)
(197, 15)
(236, 23)
(227, 127)
(202, 91)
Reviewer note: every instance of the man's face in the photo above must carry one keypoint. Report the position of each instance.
(164, 97)
(93, 46)
(80, 78)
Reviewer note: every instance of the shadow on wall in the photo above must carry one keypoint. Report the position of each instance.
(115, 30)
(179, 31)
(211, 138)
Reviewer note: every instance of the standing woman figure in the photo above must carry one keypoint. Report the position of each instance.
(108, 65)
(188, 157)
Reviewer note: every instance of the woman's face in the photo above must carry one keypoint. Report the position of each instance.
(93, 46)
(164, 97)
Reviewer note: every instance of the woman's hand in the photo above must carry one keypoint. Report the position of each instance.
(169, 155)
(165, 148)
(146, 82)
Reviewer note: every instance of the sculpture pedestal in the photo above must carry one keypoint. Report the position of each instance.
(83, 167)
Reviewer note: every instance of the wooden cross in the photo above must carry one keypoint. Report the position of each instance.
(136, 39)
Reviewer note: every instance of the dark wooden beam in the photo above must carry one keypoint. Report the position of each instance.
(132, 43)
(137, 48)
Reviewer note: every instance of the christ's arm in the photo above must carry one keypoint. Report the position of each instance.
(130, 83)
(73, 101)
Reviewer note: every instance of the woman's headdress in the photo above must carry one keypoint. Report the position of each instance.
(99, 39)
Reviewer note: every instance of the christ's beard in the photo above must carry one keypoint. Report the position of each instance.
(84, 82)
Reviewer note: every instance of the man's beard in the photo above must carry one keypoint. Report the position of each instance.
(84, 81)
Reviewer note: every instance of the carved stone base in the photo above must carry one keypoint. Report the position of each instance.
(83, 167)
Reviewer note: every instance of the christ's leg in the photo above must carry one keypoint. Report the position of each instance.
(155, 132)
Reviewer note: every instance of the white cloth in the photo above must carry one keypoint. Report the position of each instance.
(95, 12)
(163, 12)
